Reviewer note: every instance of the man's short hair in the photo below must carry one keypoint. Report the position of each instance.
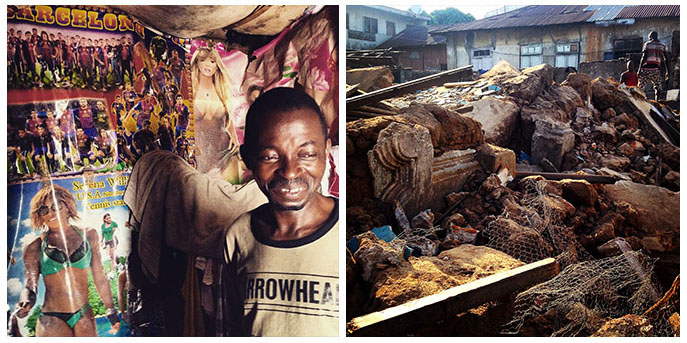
(275, 101)
(653, 35)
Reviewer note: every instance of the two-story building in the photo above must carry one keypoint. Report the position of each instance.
(369, 26)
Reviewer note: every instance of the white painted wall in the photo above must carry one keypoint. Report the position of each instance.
(355, 22)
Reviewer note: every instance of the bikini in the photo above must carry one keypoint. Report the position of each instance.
(53, 260)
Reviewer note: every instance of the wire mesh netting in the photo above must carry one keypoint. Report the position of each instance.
(588, 292)
(532, 230)
(585, 295)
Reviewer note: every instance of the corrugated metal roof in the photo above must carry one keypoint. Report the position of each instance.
(412, 36)
(394, 11)
(604, 12)
(542, 15)
(526, 16)
(649, 11)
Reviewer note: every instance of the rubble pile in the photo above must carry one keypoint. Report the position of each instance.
(443, 173)
(370, 79)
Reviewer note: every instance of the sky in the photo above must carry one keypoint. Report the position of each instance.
(477, 11)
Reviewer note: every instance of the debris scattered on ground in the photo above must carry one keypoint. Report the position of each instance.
(449, 159)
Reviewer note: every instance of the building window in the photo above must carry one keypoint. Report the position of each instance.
(369, 25)
(482, 59)
(347, 21)
(390, 28)
(566, 54)
(414, 55)
(481, 53)
(530, 55)
(623, 47)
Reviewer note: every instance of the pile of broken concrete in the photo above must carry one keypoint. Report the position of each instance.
(446, 183)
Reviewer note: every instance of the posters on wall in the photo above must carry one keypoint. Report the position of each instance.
(82, 81)
(101, 211)
(228, 78)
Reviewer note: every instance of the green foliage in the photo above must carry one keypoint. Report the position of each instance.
(449, 15)
(94, 298)
(32, 320)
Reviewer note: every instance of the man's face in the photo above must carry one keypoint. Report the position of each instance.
(79, 132)
(101, 106)
(40, 130)
(290, 158)
(83, 103)
(21, 133)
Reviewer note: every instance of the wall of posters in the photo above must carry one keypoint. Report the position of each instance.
(101, 212)
(89, 91)
(81, 83)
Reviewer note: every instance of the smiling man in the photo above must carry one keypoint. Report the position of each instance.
(283, 256)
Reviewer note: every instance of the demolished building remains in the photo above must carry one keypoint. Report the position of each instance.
(457, 185)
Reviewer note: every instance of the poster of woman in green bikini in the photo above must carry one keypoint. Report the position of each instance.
(57, 281)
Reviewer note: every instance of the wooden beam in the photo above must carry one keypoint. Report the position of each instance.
(375, 109)
(355, 115)
(351, 89)
(405, 319)
(410, 86)
(464, 109)
(459, 84)
(561, 176)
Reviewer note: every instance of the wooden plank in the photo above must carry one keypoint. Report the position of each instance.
(644, 108)
(351, 89)
(374, 109)
(464, 109)
(354, 114)
(561, 176)
(459, 84)
(410, 86)
(405, 319)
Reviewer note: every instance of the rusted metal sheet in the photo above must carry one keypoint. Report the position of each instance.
(543, 15)
(649, 11)
(526, 16)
